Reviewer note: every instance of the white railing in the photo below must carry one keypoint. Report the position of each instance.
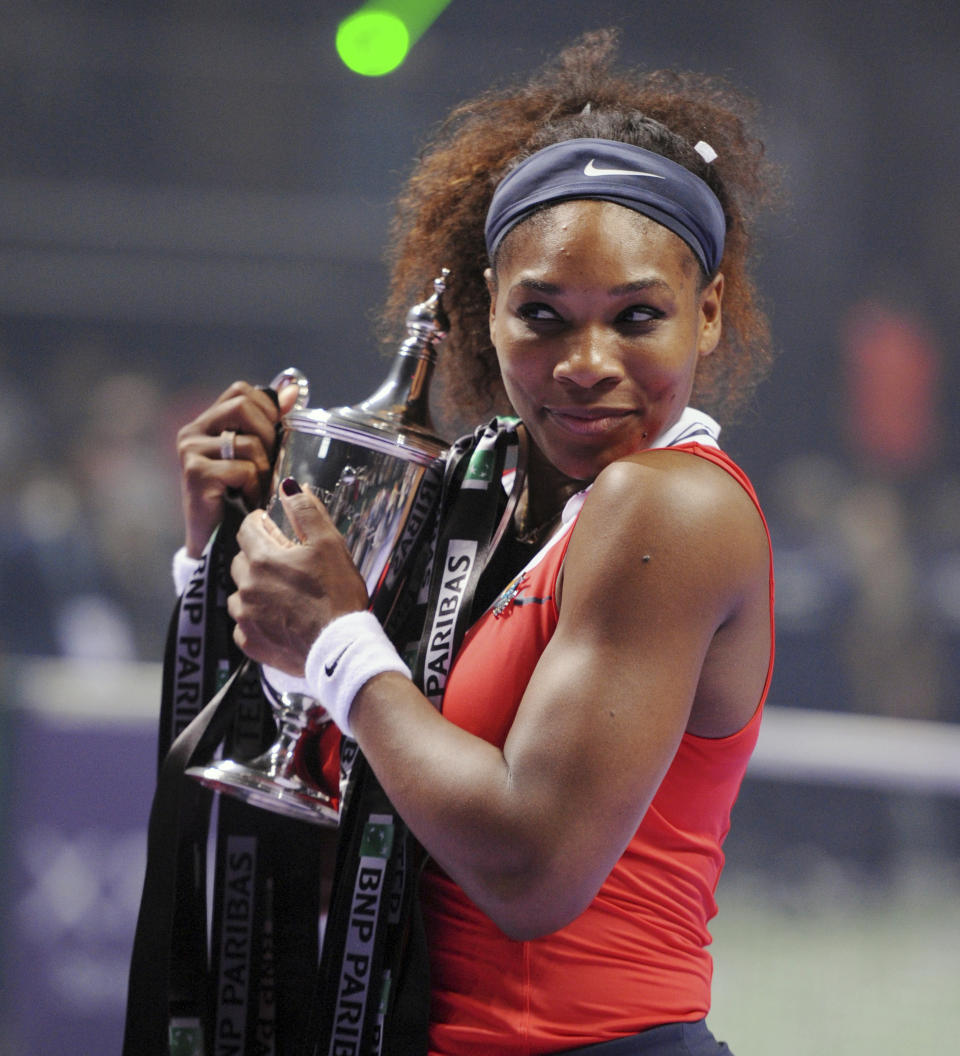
(796, 744)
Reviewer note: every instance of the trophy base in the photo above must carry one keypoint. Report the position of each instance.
(288, 796)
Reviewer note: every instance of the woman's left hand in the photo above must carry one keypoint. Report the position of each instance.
(287, 591)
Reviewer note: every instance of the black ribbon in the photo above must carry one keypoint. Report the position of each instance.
(258, 988)
(248, 991)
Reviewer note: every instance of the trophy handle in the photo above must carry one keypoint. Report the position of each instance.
(295, 377)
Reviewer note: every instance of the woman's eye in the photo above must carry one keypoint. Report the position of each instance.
(639, 313)
(537, 312)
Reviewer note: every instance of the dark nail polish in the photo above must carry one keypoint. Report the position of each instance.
(290, 487)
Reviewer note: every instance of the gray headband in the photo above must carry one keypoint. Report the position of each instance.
(611, 171)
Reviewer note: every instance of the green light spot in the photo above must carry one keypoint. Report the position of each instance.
(372, 43)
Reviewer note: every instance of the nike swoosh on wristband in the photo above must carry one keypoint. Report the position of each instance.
(328, 669)
(590, 169)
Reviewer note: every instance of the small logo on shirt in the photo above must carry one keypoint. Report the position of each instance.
(511, 596)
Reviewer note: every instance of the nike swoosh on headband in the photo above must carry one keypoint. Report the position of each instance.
(590, 169)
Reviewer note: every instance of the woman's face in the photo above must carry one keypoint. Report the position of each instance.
(599, 323)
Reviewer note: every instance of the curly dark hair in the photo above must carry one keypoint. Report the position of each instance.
(440, 214)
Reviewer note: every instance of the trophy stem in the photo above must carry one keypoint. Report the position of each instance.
(271, 780)
(279, 760)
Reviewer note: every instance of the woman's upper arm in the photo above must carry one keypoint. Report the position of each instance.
(650, 574)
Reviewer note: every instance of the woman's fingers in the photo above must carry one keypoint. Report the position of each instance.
(230, 446)
(241, 409)
(288, 590)
(307, 515)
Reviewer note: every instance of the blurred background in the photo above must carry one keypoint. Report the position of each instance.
(196, 191)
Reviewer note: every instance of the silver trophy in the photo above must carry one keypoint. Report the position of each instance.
(368, 464)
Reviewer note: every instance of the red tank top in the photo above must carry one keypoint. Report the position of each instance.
(636, 957)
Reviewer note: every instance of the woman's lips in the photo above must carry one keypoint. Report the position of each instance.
(589, 421)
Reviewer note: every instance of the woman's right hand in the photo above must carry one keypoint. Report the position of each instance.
(207, 470)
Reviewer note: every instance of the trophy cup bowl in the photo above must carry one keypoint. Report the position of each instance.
(368, 464)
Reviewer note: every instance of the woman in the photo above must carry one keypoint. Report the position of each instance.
(574, 793)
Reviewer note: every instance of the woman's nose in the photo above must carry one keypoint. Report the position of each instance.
(590, 358)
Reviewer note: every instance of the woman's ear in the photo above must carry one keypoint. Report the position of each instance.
(491, 280)
(711, 316)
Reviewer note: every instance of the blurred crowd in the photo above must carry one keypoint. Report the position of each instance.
(92, 511)
(867, 537)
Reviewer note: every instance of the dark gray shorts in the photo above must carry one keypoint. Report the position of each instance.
(672, 1039)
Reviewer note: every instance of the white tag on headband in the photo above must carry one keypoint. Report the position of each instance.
(706, 151)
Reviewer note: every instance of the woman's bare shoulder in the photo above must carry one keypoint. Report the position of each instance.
(675, 514)
(671, 489)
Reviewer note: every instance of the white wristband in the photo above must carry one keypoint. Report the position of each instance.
(349, 652)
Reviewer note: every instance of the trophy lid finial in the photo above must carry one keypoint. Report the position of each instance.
(401, 405)
(427, 322)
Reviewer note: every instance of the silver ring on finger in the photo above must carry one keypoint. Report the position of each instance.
(228, 445)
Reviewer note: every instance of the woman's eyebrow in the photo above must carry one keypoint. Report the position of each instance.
(637, 286)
